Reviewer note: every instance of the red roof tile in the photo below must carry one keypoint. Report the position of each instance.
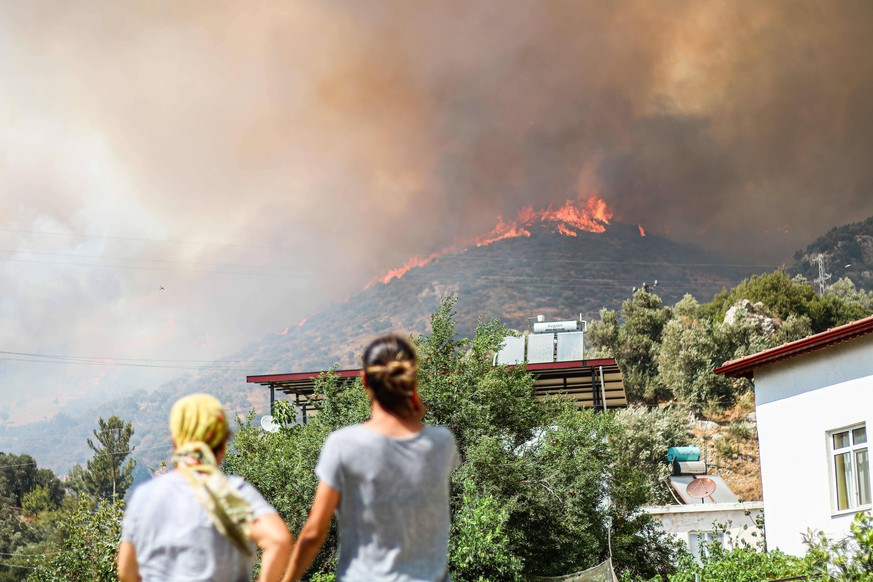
(745, 367)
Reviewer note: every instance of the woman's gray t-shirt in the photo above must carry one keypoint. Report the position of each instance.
(393, 512)
(174, 538)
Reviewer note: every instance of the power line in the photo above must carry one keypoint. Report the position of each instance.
(159, 269)
(74, 457)
(136, 239)
(128, 365)
(132, 259)
(90, 358)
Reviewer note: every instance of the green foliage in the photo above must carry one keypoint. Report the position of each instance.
(844, 290)
(689, 348)
(106, 475)
(635, 344)
(15, 534)
(641, 440)
(848, 559)
(847, 251)
(669, 353)
(737, 560)
(25, 490)
(742, 564)
(480, 546)
(53, 538)
(19, 475)
(783, 297)
(90, 534)
(38, 500)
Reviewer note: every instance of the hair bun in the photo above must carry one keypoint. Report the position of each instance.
(391, 372)
(397, 368)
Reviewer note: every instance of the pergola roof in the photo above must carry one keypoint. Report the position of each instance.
(589, 383)
(745, 367)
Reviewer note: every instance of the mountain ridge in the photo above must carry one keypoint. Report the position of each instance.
(556, 275)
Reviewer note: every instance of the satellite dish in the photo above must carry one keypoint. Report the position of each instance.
(268, 424)
(701, 488)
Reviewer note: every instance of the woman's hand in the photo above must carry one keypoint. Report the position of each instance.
(271, 534)
(314, 532)
(128, 569)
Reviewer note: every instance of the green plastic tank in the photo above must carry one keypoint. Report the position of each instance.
(683, 454)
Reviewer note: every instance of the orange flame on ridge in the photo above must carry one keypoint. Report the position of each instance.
(642, 230)
(568, 220)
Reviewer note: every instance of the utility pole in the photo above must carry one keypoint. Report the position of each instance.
(823, 277)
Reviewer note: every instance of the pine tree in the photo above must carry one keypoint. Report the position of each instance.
(109, 473)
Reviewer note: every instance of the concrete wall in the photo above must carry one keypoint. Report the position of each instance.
(683, 520)
(798, 402)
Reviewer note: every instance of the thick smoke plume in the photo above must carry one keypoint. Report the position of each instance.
(270, 155)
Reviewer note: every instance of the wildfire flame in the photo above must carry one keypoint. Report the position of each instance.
(592, 216)
(642, 230)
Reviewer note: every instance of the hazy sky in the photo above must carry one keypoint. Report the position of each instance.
(259, 160)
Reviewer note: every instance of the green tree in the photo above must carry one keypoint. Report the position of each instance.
(25, 490)
(844, 289)
(480, 544)
(20, 475)
(641, 439)
(848, 559)
(109, 473)
(634, 341)
(783, 296)
(90, 534)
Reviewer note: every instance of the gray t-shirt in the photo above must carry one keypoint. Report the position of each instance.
(393, 512)
(174, 538)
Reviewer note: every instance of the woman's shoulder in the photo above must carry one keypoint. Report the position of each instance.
(346, 436)
(352, 431)
(158, 487)
(439, 432)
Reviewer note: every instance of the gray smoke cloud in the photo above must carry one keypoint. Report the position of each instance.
(259, 160)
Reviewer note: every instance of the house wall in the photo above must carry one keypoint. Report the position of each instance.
(682, 520)
(797, 402)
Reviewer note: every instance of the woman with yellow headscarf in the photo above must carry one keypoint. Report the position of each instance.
(194, 523)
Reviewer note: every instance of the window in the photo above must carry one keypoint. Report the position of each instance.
(851, 465)
(699, 542)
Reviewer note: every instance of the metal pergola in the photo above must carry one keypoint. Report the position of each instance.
(594, 384)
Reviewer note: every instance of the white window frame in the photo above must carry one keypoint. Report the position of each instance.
(852, 479)
(698, 537)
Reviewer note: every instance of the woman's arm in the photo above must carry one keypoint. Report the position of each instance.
(128, 569)
(314, 532)
(271, 534)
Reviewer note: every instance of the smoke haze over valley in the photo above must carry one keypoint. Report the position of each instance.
(183, 179)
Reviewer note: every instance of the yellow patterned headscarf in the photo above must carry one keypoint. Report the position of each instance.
(198, 425)
(198, 418)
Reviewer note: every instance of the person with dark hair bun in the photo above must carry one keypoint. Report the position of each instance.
(387, 480)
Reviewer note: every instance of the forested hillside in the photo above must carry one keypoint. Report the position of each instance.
(510, 280)
(667, 354)
(847, 251)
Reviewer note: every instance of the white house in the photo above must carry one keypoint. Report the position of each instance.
(814, 405)
(730, 524)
